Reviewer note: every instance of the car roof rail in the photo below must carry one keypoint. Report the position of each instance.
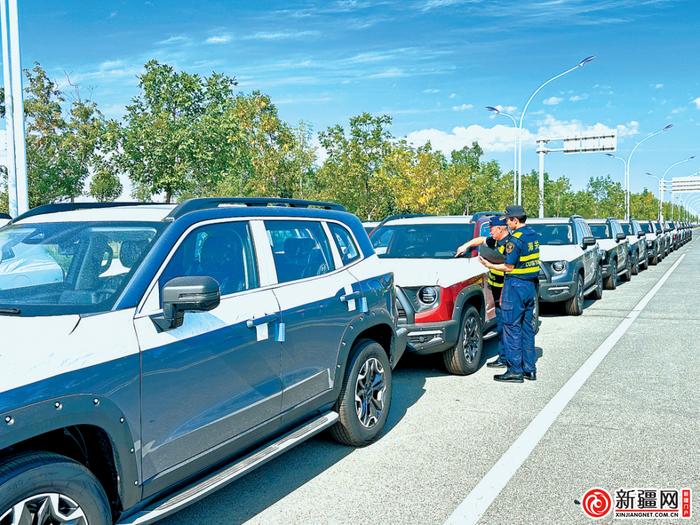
(207, 203)
(478, 215)
(73, 206)
(397, 216)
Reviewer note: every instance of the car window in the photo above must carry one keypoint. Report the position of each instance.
(646, 227)
(626, 228)
(300, 249)
(554, 234)
(345, 243)
(69, 268)
(600, 231)
(223, 251)
(579, 231)
(420, 241)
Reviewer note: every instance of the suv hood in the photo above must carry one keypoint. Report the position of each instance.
(37, 348)
(607, 244)
(567, 252)
(432, 272)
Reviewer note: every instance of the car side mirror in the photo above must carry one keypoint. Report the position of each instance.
(620, 237)
(588, 241)
(658, 231)
(186, 294)
(641, 234)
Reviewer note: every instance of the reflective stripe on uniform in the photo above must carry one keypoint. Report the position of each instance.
(531, 257)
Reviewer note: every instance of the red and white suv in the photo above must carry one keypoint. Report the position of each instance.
(443, 301)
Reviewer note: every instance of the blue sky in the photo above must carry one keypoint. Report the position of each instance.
(431, 64)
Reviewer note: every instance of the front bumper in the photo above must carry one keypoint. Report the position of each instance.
(557, 291)
(400, 341)
(431, 338)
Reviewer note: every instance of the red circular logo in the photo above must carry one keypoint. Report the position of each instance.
(596, 503)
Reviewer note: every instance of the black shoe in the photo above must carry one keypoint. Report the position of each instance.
(497, 364)
(530, 376)
(509, 377)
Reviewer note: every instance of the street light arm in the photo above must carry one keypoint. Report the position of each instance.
(676, 164)
(522, 115)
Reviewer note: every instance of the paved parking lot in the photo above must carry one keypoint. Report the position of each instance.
(633, 423)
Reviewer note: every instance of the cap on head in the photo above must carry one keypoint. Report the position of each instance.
(497, 220)
(515, 211)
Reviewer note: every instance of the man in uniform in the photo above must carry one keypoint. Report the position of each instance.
(521, 268)
(497, 241)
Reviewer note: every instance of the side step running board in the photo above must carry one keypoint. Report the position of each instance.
(226, 475)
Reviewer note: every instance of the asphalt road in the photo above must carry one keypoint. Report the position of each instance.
(634, 423)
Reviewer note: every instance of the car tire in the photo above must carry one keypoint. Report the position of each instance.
(35, 479)
(574, 306)
(627, 275)
(635, 265)
(597, 293)
(365, 397)
(611, 280)
(644, 264)
(464, 358)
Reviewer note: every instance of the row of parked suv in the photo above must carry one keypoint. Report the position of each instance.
(154, 353)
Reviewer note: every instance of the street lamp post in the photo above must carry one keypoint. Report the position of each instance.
(629, 159)
(624, 172)
(661, 195)
(494, 109)
(522, 117)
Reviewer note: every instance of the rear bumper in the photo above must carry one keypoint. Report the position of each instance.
(431, 338)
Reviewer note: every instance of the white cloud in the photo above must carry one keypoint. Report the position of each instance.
(550, 127)
(552, 101)
(578, 98)
(281, 35)
(676, 111)
(697, 102)
(497, 138)
(658, 86)
(218, 39)
(177, 39)
(431, 91)
(506, 109)
(392, 72)
(453, 95)
(462, 107)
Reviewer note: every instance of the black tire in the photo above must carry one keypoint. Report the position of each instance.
(350, 430)
(36, 474)
(627, 276)
(644, 264)
(611, 280)
(597, 293)
(463, 359)
(574, 306)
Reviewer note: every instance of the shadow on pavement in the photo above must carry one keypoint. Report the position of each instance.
(247, 497)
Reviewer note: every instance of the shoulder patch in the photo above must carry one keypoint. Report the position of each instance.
(509, 247)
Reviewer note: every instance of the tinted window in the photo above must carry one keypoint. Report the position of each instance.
(421, 241)
(69, 268)
(223, 251)
(345, 243)
(300, 249)
(554, 234)
(646, 227)
(626, 228)
(600, 231)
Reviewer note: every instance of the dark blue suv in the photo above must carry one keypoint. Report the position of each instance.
(154, 353)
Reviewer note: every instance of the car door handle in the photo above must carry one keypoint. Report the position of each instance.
(265, 319)
(350, 296)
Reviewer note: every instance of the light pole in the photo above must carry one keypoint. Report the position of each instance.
(629, 159)
(661, 194)
(624, 172)
(522, 117)
(494, 109)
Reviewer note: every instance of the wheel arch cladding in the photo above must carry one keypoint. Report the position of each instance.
(380, 331)
(89, 429)
(471, 296)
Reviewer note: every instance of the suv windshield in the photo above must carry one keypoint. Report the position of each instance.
(420, 241)
(69, 268)
(626, 228)
(646, 227)
(554, 234)
(600, 231)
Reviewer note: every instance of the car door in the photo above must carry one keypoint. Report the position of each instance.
(621, 248)
(589, 252)
(218, 375)
(317, 298)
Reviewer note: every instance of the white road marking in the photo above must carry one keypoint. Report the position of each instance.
(490, 486)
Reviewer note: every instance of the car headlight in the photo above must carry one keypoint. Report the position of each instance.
(559, 266)
(428, 295)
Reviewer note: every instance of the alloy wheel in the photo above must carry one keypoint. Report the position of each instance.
(470, 338)
(370, 388)
(45, 509)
